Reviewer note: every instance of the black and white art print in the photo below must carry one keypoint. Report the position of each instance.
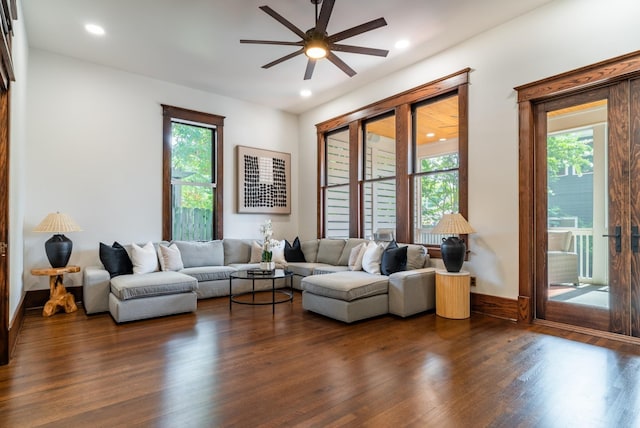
(264, 181)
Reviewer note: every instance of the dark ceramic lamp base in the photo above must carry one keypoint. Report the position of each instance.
(58, 249)
(453, 250)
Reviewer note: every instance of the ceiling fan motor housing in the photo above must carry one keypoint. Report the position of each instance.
(316, 43)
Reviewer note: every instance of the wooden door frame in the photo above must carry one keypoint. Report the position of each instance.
(5, 345)
(8, 15)
(592, 76)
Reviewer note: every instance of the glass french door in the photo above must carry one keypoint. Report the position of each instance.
(588, 167)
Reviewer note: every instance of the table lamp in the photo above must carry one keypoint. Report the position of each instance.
(58, 247)
(453, 248)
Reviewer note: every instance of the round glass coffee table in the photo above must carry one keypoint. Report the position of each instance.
(259, 275)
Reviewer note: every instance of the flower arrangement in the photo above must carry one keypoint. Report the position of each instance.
(268, 243)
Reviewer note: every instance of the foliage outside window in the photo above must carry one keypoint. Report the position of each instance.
(569, 178)
(437, 195)
(192, 182)
(192, 171)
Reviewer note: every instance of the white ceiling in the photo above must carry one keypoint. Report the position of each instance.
(195, 43)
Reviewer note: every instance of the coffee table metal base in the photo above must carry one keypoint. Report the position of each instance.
(277, 274)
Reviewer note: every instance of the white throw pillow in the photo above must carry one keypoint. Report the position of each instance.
(356, 255)
(170, 257)
(278, 254)
(144, 259)
(372, 257)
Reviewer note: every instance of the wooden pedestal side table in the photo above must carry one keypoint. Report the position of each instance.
(453, 295)
(58, 295)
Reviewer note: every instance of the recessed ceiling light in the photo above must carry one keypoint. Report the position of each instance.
(443, 139)
(94, 29)
(402, 44)
(431, 135)
(305, 93)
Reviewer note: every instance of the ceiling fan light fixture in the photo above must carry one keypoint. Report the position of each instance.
(316, 49)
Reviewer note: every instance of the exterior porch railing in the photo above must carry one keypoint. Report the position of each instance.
(583, 246)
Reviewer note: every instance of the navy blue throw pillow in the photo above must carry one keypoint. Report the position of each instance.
(115, 259)
(293, 253)
(394, 259)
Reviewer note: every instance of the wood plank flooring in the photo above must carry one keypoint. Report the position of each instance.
(247, 368)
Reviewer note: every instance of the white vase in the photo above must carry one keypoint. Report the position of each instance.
(267, 265)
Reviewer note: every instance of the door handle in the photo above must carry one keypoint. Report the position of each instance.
(635, 243)
(618, 236)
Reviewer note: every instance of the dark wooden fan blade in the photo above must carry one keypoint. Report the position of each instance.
(325, 14)
(341, 64)
(284, 58)
(358, 50)
(275, 15)
(272, 42)
(311, 64)
(358, 29)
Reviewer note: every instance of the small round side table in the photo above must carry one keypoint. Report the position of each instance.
(453, 295)
(58, 295)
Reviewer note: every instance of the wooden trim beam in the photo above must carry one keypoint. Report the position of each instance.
(581, 78)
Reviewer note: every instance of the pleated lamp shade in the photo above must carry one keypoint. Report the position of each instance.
(58, 247)
(57, 223)
(454, 224)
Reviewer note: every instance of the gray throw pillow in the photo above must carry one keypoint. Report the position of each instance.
(416, 256)
(196, 254)
(329, 251)
(236, 250)
(310, 250)
(346, 251)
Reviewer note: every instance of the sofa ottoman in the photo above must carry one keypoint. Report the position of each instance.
(346, 296)
(154, 294)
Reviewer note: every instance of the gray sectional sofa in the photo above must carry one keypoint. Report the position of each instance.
(329, 286)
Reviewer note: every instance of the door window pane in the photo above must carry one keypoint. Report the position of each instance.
(577, 205)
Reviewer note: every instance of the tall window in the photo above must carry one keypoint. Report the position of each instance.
(436, 165)
(380, 178)
(337, 194)
(192, 189)
(393, 168)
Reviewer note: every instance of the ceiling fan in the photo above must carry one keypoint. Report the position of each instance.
(317, 44)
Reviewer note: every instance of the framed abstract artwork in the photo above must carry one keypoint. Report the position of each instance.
(264, 181)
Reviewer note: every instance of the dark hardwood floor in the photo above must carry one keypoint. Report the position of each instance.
(247, 368)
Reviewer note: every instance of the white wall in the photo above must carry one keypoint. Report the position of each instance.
(94, 138)
(561, 36)
(94, 152)
(17, 163)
